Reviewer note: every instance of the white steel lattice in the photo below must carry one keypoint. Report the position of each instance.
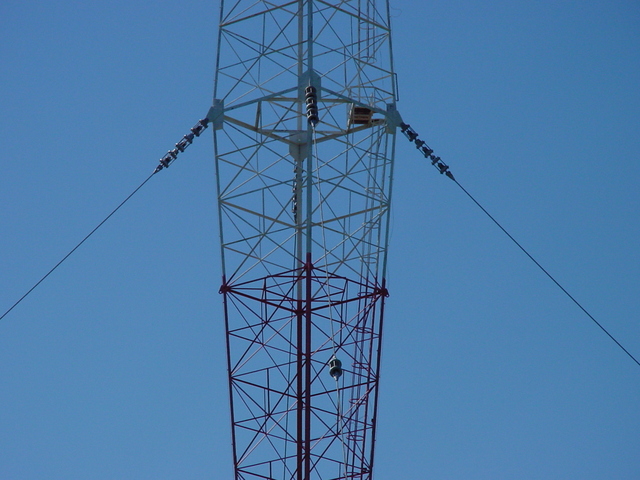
(303, 225)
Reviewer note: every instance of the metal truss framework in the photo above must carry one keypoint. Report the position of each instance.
(303, 212)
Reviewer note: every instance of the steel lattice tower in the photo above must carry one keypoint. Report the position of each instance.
(304, 209)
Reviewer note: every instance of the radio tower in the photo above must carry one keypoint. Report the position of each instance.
(304, 124)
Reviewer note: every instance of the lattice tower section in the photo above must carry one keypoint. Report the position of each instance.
(303, 212)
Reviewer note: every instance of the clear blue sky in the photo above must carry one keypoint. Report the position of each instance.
(114, 367)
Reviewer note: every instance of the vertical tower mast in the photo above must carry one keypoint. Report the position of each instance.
(305, 120)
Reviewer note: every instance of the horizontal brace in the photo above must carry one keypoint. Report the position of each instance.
(257, 14)
(252, 212)
(266, 98)
(358, 17)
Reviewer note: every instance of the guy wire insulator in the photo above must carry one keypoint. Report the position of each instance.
(426, 151)
(421, 145)
(184, 142)
(408, 131)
